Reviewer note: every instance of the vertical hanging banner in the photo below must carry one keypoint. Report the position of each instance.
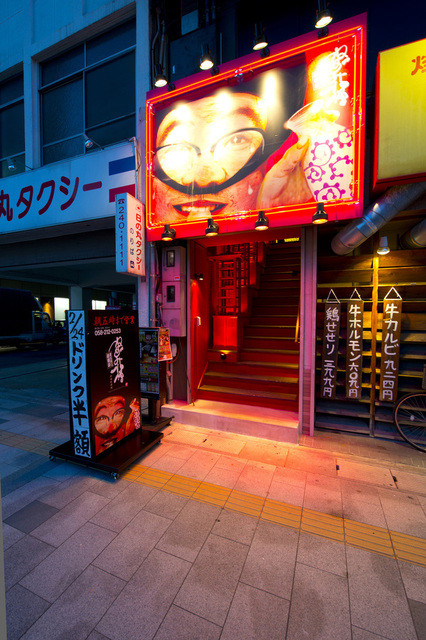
(391, 339)
(354, 323)
(330, 347)
(129, 235)
(79, 408)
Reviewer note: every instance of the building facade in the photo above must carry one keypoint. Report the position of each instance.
(245, 310)
(62, 161)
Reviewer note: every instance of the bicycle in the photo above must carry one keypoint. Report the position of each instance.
(409, 416)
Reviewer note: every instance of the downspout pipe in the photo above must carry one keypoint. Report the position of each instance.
(396, 199)
(415, 238)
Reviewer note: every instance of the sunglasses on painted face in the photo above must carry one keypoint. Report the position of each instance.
(102, 421)
(235, 155)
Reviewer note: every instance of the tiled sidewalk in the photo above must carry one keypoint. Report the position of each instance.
(150, 557)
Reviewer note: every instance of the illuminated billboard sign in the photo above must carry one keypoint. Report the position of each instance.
(275, 134)
(400, 154)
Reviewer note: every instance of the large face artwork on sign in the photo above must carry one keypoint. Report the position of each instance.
(276, 134)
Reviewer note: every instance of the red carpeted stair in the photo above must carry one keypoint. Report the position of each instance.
(266, 372)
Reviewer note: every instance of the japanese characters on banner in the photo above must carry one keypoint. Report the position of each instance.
(79, 408)
(129, 235)
(330, 347)
(391, 337)
(354, 322)
(81, 188)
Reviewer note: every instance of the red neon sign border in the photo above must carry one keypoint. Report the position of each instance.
(337, 210)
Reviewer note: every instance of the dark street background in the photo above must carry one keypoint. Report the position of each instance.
(35, 367)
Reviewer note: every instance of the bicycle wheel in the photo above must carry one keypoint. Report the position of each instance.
(410, 419)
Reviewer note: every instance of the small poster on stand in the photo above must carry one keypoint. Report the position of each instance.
(164, 346)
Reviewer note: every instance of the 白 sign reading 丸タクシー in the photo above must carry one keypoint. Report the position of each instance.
(391, 334)
(354, 321)
(330, 349)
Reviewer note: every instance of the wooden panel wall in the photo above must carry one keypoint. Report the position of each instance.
(372, 276)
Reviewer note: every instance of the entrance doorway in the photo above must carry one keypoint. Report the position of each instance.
(245, 323)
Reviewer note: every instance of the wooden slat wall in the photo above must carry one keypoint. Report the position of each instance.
(373, 276)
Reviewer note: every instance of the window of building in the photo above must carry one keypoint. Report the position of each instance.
(89, 90)
(12, 140)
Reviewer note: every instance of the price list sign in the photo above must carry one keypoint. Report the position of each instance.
(330, 349)
(391, 339)
(354, 319)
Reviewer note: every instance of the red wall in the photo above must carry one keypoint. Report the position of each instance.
(200, 306)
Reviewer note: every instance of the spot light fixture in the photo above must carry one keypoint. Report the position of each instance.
(207, 62)
(262, 222)
(168, 234)
(89, 143)
(260, 43)
(11, 164)
(160, 79)
(324, 16)
(320, 216)
(212, 228)
(198, 276)
(383, 247)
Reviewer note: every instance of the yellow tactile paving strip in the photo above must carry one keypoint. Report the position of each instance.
(355, 534)
(26, 443)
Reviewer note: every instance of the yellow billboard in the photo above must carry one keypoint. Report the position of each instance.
(401, 114)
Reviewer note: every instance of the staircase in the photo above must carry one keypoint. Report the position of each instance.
(266, 370)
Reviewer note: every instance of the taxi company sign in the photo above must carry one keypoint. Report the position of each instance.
(77, 189)
(129, 235)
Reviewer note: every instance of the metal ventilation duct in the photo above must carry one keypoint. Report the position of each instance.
(415, 238)
(377, 215)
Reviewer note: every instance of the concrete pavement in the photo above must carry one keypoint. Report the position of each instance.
(211, 536)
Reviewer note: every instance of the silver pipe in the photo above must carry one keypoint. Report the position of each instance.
(377, 215)
(415, 238)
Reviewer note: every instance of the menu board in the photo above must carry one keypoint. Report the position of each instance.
(355, 315)
(391, 340)
(330, 349)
